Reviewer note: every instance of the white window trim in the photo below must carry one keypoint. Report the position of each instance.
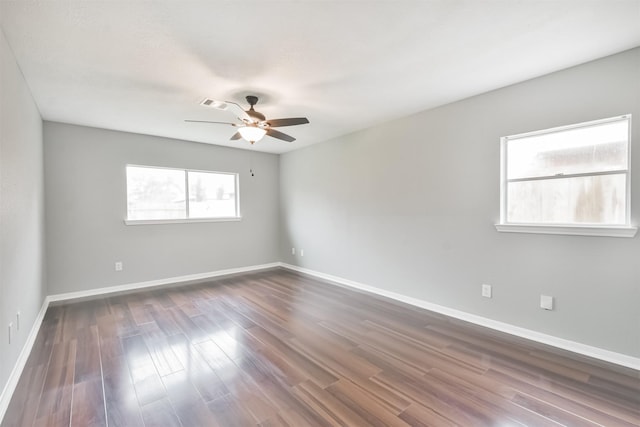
(179, 221)
(571, 230)
(627, 230)
(187, 220)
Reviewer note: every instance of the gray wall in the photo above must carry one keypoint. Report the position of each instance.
(21, 210)
(86, 205)
(409, 206)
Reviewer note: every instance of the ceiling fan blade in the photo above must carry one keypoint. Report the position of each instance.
(239, 112)
(277, 134)
(209, 121)
(235, 136)
(288, 122)
(232, 107)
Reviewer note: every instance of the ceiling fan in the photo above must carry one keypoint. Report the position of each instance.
(253, 125)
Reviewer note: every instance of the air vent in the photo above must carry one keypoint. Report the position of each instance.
(212, 103)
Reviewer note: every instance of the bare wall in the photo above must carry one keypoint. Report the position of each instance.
(409, 206)
(22, 284)
(86, 207)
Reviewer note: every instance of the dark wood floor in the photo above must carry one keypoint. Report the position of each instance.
(280, 349)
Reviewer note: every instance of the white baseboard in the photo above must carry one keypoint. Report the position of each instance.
(14, 377)
(153, 283)
(575, 347)
(12, 382)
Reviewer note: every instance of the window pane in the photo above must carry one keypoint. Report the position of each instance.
(212, 195)
(155, 193)
(579, 200)
(587, 149)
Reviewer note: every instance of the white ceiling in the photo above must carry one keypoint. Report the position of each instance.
(144, 66)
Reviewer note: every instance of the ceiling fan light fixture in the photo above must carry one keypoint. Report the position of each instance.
(252, 125)
(252, 133)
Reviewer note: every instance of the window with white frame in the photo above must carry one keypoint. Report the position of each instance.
(571, 176)
(165, 194)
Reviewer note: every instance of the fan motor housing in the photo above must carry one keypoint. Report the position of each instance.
(256, 115)
(253, 100)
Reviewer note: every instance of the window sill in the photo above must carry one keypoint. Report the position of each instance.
(571, 230)
(178, 221)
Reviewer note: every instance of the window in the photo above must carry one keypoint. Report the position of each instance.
(178, 195)
(569, 180)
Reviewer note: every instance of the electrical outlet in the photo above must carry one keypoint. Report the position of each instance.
(486, 290)
(546, 302)
(18, 320)
(293, 251)
(301, 252)
(10, 331)
(119, 266)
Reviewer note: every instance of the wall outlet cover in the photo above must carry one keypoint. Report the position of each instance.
(546, 302)
(486, 290)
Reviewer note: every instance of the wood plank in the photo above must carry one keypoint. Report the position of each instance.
(26, 395)
(229, 412)
(87, 362)
(370, 407)
(146, 380)
(55, 403)
(160, 413)
(331, 409)
(120, 396)
(318, 373)
(197, 372)
(417, 415)
(187, 402)
(88, 408)
(164, 359)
